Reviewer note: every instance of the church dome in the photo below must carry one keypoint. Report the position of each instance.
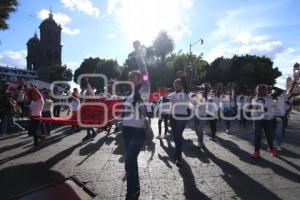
(49, 21)
(33, 40)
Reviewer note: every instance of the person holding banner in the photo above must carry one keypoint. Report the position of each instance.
(179, 112)
(47, 112)
(74, 100)
(90, 132)
(35, 112)
(135, 122)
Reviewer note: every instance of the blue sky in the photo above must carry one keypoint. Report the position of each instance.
(106, 28)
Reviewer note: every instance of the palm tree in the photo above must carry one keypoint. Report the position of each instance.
(163, 45)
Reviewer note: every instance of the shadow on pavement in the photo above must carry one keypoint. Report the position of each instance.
(190, 189)
(46, 143)
(13, 146)
(91, 149)
(287, 153)
(245, 157)
(166, 159)
(191, 150)
(21, 178)
(149, 145)
(243, 185)
(10, 136)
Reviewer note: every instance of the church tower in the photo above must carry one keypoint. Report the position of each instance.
(45, 52)
(50, 43)
(33, 51)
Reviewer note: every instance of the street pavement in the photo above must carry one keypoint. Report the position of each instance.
(221, 170)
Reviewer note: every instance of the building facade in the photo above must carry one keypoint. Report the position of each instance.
(15, 74)
(45, 52)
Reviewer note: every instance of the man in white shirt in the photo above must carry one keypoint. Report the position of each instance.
(263, 120)
(212, 112)
(179, 112)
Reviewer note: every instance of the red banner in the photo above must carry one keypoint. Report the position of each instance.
(92, 113)
(156, 95)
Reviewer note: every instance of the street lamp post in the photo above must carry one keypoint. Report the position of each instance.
(190, 71)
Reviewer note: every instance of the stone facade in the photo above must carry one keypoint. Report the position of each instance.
(45, 51)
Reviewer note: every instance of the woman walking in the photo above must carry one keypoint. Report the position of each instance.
(134, 123)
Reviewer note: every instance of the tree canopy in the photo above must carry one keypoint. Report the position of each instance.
(110, 68)
(246, 71)
(6, 7)
(163, 45)
(60, 73)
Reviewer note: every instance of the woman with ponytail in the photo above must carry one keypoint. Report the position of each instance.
(134, 122)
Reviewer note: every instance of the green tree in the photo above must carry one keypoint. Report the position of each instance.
(97, 66)
(245, 71)
(6, 7)
(163, 45)
(180, 62)
(60, 73)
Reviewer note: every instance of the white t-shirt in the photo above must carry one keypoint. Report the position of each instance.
(280, 106)
(180, 103)
(48, 105)
(133, 117)
(227, 103)
(164, 107)
(36, 107)
(267, 110)
(212, 105)
(75, 105)
(200, 105)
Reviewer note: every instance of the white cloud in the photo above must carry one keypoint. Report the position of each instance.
(85, 6)
(13, 58)
(111, 36)
(144, 19)
(241, 28)
(246, 38)
(61, 19)
(269, 49)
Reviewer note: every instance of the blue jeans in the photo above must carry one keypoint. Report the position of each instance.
(7, 121)
(227, 113)
(133, 142)
(279, 129)
(178, 127)
(259, 127)
(199, 125)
